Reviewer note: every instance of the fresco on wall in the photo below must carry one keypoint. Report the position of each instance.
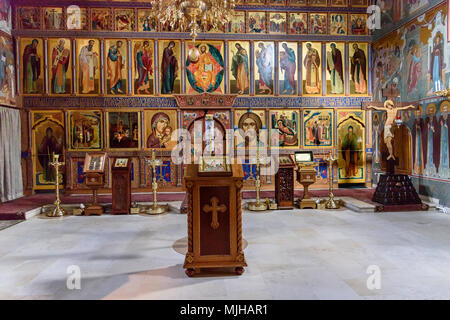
(264, 67)
(7, 71)
(351, 146)
(85, 130)
(5, 16)
(60, 61)
(239, 66)
(170, 71)
(414, 58)
(205, 67)
(88, 56)
(143, 67)
(158, 128)
(116, 66)
(287, 73)
(47, 128)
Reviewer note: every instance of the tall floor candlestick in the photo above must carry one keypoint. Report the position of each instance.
(331, 203)
(155, 208)
(58, 211)
(257, 205)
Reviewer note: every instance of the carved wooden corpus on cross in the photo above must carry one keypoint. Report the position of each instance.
(215, 209)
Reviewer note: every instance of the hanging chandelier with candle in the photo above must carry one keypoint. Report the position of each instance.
(193, 15)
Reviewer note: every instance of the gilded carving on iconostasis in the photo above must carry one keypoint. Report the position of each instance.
(88, 61)
(239, 62)
(60, 66)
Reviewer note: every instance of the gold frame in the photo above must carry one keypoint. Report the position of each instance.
(147, 125)
(344, 16)
(303, 80)
(297, 58)
(23, 42)
(162, 44)
(133, 67)
(304, 146)
(310, 14)
(232, 43)
(298, 146)
(350, 49)
(70, 134)
(69, 69)
(125, 110)
(99, 70)
(327, 47)
(286, 21)
(105, 66)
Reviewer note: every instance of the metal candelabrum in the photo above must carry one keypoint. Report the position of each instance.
(155, 208)
(58, 211)
(257, 205)
(331, 203)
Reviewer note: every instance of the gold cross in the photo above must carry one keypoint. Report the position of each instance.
(215, 209)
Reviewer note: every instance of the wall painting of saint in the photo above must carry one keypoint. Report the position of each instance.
(116, 66)
(287, 74)
(29, 18)
(312, 68)
(53, 19)
(205, 67)
(358, 68)
(264, 67)
(88, 55)
(317, 128)
(47, 131)
(60, 66)
(5, 16)
(239, 66)
(284, 124)
(335, 68)
(143, 67)
(123, 129)
(170, 67)
(32, 65)
(250, 121)
(85, 130)
(7, 71)
(158, 128)
(351, 146)
(298, 23)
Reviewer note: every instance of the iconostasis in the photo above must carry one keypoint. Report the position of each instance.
(102, 76)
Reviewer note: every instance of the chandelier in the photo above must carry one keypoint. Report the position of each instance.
(194, 15)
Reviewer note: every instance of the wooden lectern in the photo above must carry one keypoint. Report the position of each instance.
(121, 186)
(94, 170)
(284, 183)
(214, 220)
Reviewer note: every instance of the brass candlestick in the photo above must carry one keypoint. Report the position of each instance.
(155, 208)
(58, 211)
(331, 203)
(257, 205)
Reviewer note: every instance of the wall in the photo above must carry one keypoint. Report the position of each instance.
(415, 58)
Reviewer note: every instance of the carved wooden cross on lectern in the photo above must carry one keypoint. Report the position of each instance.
(391, 108)
(215, 209)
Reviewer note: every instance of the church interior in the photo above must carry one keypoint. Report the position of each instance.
(241, 149)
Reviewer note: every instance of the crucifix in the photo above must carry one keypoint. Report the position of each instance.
(391, 109)
(215, 209)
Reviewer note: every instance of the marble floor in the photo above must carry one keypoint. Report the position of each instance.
(308, 254)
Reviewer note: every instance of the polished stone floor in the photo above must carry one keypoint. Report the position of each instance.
(291, 255)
